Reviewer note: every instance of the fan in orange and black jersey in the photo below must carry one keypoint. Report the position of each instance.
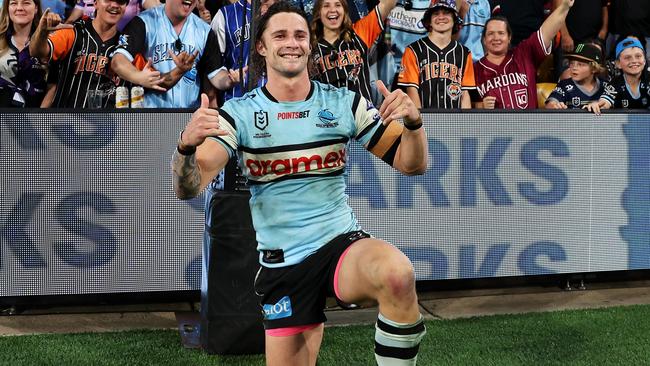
(340, 48)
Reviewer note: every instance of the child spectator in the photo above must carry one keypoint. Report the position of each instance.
(583, 86)
(629, 90)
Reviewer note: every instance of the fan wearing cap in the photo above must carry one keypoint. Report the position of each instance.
(86, 9)
(583, 86)
(83, 53)
(340, 48)
(629, 90)
(438, 72)
(506, 78)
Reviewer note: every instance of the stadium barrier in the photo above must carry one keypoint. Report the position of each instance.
(87, 205)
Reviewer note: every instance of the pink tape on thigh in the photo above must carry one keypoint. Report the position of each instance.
(289, 331)
(336, 273)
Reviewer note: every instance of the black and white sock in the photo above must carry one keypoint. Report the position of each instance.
(397, 344)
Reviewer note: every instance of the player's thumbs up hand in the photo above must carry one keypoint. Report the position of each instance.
(397, 105)
(382, 88)
(204, 123)
(205, 101)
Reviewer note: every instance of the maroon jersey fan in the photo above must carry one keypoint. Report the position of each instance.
(513, 81)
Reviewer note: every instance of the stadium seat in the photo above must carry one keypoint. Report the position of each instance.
(543, 91)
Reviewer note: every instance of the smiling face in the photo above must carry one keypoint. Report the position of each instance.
(178, 10)
(332, 14)
(497, 39)
(442, 20)
(631, 61)
(285, 45)
(22, 12)
(110, 11)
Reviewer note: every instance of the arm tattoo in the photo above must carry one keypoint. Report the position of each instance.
(167, 78)
(171, 78)
(186, 175)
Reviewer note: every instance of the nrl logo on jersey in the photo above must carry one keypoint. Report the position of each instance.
(327, 118)
(576, 101)
(261, 120)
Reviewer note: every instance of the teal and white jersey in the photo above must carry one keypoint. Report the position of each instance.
(294, 155)
(151, 35)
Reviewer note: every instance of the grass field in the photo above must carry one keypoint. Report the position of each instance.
(611, 336)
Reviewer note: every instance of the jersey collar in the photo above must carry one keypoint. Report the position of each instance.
(272, 98)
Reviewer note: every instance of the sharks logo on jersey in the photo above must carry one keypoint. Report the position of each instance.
(327, 118)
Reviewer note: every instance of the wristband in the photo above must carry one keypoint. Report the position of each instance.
(188, 150)
(416, 126)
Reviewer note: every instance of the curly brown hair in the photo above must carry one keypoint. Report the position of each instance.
(257, 66)
(317, 31)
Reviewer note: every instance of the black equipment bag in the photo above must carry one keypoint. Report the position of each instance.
(231, 315)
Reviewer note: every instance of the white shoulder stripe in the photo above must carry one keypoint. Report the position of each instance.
(365, 116)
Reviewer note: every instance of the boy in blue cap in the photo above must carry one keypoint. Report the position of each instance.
(630, 90)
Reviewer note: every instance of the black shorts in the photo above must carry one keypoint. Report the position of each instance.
(295, 295)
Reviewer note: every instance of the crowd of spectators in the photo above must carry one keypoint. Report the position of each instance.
(443, 53)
